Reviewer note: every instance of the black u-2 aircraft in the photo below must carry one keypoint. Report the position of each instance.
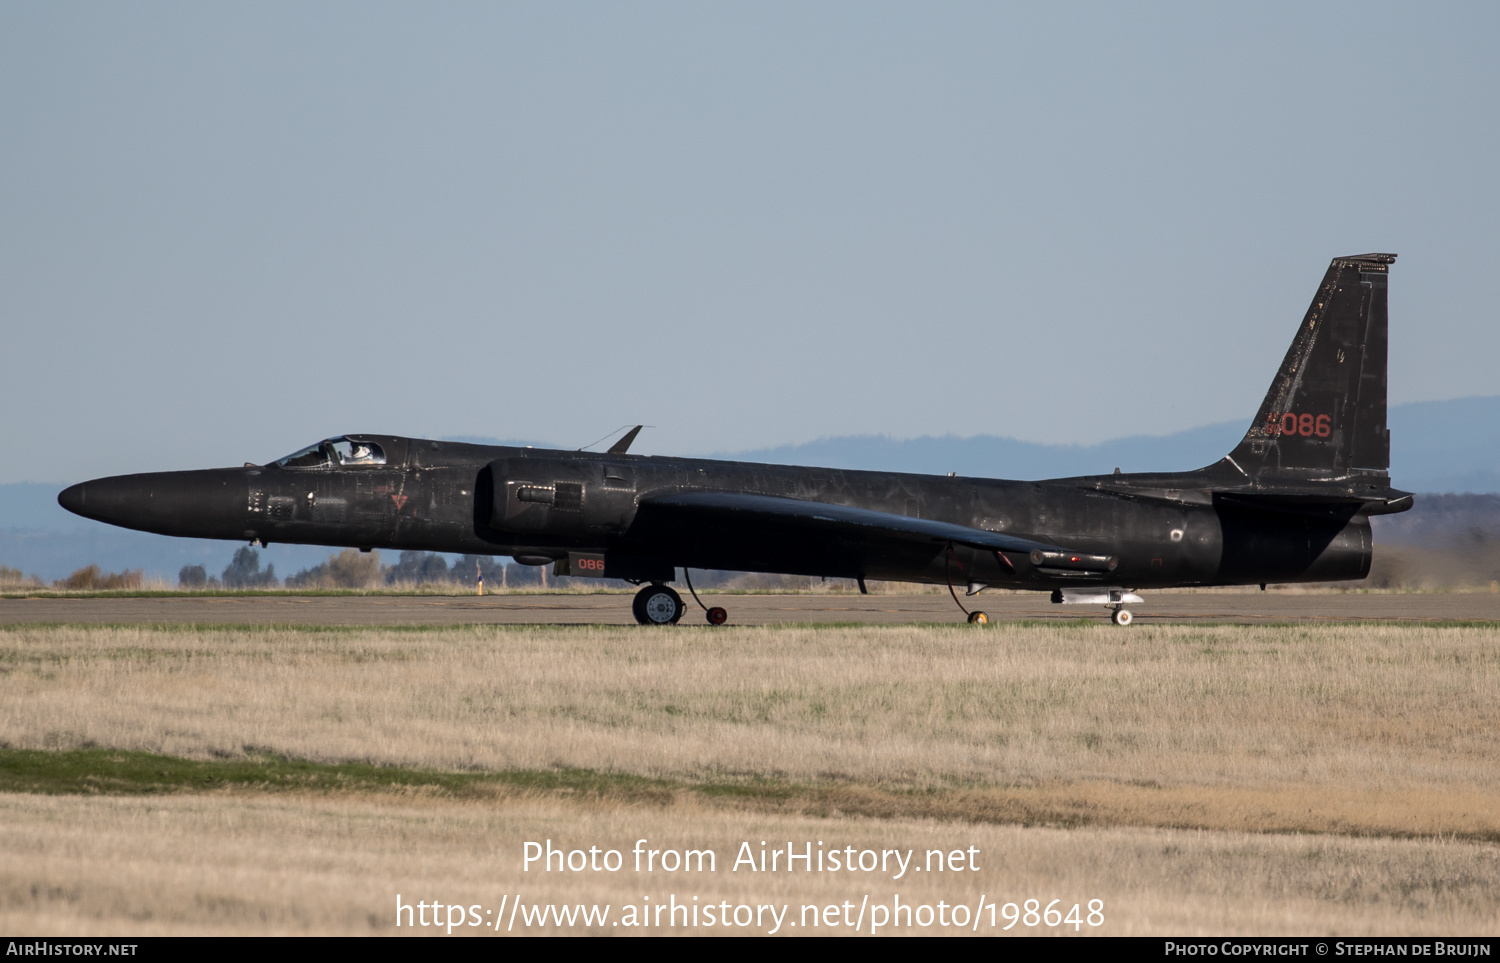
(1291, 503)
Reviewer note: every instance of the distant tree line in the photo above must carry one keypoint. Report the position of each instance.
(14, 578)
(242, 572)
(427, 568)
(351, 568)
(88, 578)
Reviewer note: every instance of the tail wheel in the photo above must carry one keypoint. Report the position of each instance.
(657, 605)
(977, 617)
(1122, 616)
(717, 616)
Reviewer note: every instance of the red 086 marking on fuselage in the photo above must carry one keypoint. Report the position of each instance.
(1306, 425)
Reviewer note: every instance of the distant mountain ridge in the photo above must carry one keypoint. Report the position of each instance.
(990, 456)
(1436, 446)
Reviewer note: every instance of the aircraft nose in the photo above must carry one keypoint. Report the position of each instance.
(115, 500)
(74, 498)
(202, 504)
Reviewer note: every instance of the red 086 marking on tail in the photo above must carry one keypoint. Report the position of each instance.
(1306, 425)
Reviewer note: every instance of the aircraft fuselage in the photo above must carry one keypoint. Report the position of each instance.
(536, 503)
(1290, 503)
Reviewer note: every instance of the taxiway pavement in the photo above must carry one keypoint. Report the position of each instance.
(574, 609)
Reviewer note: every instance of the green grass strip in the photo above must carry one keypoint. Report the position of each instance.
(117, 772)
(123, 773)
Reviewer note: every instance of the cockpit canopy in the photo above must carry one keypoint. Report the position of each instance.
(331, 452)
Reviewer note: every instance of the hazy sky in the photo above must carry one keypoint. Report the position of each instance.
(229, 230)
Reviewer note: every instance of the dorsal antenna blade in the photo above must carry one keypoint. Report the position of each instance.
(623, 445)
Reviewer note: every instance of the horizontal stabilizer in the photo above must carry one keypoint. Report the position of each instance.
(1387, 502)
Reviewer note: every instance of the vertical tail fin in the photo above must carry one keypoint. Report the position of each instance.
(1324, 416)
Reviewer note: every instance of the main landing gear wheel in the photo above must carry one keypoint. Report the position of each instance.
(1121, 616)
(717, 616)
(977, 617)
(657, 605)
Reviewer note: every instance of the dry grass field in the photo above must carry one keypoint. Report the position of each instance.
(217, 864)
(1371, 708)
(1207, 778)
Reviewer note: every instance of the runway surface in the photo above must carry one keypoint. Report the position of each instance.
(569, 609)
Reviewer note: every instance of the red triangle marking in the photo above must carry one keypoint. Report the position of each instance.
(400, 501)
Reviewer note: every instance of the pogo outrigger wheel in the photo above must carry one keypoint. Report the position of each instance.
(715, 615)
(976, 617)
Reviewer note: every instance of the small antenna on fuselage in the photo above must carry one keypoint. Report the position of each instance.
(623, 445)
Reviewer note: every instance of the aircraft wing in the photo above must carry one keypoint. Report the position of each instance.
(741, 511)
